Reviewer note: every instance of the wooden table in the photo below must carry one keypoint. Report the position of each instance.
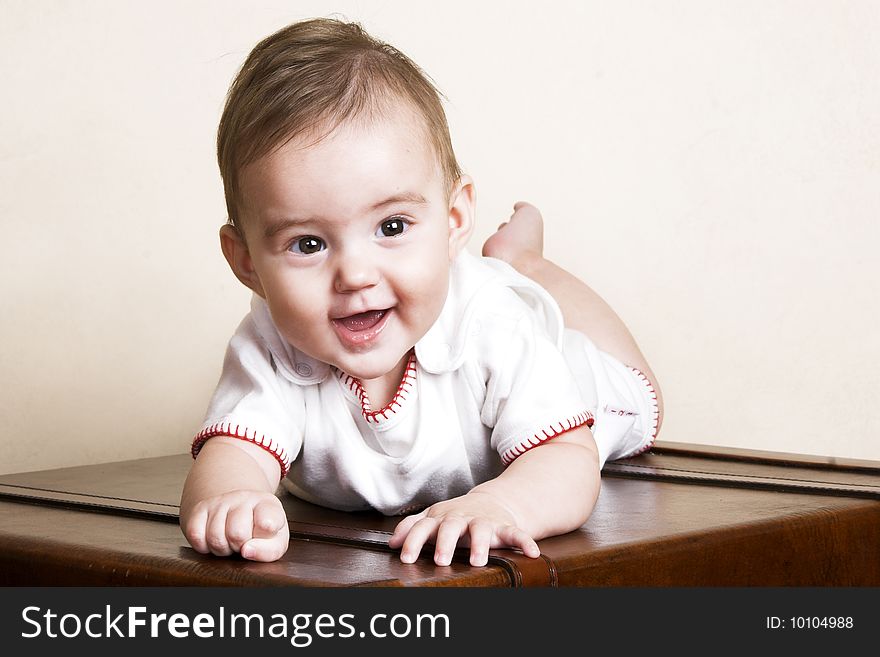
(677, 516)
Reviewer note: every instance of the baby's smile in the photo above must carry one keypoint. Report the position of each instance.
(363, 328)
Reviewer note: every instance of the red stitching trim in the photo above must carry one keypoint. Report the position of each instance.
(406, 383)
(655, 410)
(225, 429)
(528, 443)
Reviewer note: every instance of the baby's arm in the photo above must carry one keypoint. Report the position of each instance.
(229, 504)
(549, 490)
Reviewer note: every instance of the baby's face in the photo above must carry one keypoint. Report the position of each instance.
(351, 241)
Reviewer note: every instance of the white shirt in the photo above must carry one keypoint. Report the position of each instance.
(493, 377)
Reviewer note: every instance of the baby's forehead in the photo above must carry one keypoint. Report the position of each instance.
(356, 167)
(398, 145)
(390, 120)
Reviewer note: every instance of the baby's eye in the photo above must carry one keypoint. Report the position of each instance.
(392, 227)
(307, 245)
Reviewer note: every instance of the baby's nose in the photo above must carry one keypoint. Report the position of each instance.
(355, 271)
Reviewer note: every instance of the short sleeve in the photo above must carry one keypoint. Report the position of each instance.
(252, 402)
(531, 395)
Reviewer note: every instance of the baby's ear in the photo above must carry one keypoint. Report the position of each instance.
(238, 256)
(462, 207)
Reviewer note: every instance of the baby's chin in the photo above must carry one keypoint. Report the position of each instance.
(366, 368)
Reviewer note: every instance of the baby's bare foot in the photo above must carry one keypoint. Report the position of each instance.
(520, 240)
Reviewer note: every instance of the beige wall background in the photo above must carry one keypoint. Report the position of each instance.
(711, 167)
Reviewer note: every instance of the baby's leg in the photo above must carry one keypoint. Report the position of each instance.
(520, 242)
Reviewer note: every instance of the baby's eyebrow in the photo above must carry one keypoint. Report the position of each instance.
(413, 198)
(276, 227)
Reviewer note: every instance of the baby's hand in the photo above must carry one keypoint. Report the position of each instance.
(477, 518)
(252, 523)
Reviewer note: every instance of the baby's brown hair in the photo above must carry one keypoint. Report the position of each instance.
(307, 79)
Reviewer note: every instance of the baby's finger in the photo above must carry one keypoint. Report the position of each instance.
(450, 530)
(266, 549)
(402, 530)
(481, 532)
(512, 536)
(268, 519)
(195, 529)
(239, 526)
(215, 532)
(420, 533)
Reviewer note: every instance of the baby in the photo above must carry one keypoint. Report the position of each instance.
(381, 365)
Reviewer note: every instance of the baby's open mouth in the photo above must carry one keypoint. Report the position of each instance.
(361, 330)
(362, 321)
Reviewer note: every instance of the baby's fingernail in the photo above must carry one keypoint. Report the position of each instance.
(407, 557)
(247, 552)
